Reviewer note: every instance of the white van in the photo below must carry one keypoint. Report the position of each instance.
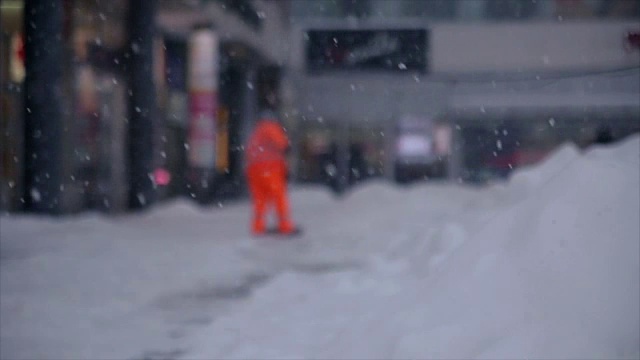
(417, 152)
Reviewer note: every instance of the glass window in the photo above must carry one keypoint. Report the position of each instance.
(470, 10)
(582, 9)
(316, 8)
(386, 8)
(510, 9)
(433, 9)
(575, 9)
(357, 8)
(464, 10)
(619, 8)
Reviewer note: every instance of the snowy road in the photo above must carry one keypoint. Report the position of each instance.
(438, 271)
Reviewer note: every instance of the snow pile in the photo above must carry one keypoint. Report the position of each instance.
(553, 272)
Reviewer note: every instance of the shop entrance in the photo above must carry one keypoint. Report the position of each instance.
(12, 74)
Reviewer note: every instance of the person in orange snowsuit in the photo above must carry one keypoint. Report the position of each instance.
(267, 174)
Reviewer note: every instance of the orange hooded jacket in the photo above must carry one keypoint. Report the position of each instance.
(265, 156)
(267, 145)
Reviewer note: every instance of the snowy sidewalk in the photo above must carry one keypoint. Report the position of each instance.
(544, 267)
(137, 286)
(97, 287)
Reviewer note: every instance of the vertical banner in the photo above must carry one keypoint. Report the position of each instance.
(203, 87)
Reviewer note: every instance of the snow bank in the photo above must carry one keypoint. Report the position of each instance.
(552, 273)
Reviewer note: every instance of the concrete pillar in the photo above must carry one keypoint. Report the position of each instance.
(43, 25)
(142, 104)
(202, 84)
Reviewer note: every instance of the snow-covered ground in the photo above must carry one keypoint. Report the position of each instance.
(545, 266)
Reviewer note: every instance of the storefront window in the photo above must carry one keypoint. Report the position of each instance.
(98, 41)
(12, 75)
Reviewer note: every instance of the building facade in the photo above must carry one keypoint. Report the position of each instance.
(127, 102)
(512, 79)
(244, 78)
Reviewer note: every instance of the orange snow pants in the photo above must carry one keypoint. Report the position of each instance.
(268, 186)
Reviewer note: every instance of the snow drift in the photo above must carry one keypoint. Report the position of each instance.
(547, 267)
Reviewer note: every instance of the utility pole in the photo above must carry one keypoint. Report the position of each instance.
(43, 25)
(142, 103)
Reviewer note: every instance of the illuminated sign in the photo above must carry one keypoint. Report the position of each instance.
(389, 50)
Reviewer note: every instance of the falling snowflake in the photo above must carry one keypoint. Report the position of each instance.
(35, 195)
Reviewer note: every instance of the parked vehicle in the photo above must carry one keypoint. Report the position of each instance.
(415, 154)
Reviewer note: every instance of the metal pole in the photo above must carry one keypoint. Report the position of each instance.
(456, 157)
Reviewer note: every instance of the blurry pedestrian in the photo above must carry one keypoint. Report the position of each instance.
(267, 174)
